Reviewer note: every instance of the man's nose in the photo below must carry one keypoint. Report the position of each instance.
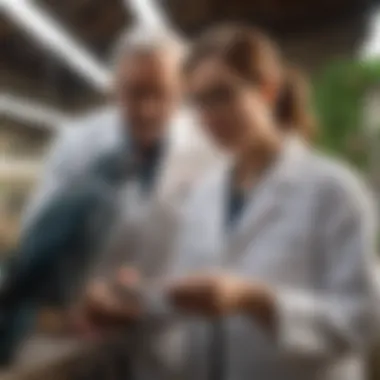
(149, 108)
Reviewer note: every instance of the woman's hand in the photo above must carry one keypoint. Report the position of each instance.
(217, 295)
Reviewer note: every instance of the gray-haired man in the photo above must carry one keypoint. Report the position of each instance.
(113, 185)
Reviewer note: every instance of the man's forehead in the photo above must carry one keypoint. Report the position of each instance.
(150, 63)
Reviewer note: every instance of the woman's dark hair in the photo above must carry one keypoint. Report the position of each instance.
(256, 59)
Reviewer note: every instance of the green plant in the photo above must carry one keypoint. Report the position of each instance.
(339, 92)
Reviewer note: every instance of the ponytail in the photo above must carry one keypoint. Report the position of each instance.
(293, 109)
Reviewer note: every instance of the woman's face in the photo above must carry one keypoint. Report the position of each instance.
(234, 112)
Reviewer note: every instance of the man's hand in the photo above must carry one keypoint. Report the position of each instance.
(111, 304)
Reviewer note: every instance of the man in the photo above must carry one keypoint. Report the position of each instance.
(112, 187)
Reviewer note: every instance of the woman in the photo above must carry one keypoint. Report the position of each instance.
(273, 268)
(276, 246)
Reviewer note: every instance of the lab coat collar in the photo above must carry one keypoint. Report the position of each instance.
(267, 198)
(170, 149)
(174, 151)
(283, 169)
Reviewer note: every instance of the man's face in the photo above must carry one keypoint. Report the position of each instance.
(148, 91)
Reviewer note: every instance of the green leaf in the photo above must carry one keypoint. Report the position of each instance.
(338, 97)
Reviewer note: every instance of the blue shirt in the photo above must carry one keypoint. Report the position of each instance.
(236, 201)
(147, 166)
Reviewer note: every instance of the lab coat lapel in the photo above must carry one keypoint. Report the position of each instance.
(266, 201)
(188, 155)
(182, 164)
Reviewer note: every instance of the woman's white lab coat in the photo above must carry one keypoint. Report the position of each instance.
(308, 232)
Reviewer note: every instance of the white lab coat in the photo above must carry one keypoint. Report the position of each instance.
(308, 232)
(147, 227)
(144, 230)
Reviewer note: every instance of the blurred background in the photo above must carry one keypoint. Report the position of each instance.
(54, 67)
